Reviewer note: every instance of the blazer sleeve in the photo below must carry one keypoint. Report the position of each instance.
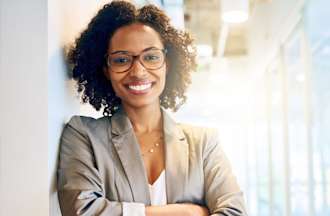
(80, 189)
(222, 193)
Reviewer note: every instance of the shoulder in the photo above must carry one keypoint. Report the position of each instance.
(84, 124)
(198, 132)
(202, 137)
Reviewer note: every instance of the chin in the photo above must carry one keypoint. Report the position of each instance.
(140, 103)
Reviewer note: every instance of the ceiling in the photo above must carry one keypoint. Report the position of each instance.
(203, 20)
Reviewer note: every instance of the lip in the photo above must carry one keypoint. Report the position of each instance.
(139, 83)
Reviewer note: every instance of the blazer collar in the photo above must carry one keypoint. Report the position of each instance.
(176, 157)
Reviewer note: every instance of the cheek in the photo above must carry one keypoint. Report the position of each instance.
(115, 81)
(115, 88)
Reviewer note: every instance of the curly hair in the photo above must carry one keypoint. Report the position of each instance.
(86, 56)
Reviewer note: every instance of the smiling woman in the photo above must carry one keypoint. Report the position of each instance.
(136, 160)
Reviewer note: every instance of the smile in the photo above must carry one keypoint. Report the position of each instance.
(140, 87)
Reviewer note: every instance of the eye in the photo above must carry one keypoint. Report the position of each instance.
(151, 57)
(120, 60)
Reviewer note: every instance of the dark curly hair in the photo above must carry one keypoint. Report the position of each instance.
(86, 56)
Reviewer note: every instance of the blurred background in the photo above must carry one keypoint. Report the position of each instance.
(263, 80)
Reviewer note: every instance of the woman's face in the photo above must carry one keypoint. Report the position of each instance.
(138, 81)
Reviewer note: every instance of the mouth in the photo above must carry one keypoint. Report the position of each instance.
(139, 88)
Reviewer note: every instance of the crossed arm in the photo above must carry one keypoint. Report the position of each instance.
(177, 210)
(81, 190)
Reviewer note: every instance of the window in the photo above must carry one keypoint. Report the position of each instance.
(318, 32)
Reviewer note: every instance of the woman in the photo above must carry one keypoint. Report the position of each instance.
(136, 160)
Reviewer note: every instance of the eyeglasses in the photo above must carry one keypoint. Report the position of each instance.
(122, 61)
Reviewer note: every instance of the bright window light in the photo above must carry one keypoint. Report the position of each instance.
(204, 50)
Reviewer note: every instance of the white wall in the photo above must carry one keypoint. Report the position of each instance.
(23, 108)
(33, 35)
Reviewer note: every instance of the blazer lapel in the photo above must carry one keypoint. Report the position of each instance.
(177, 160)
(128, 150)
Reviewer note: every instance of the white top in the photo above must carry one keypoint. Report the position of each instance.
(158, 190)
(157, 197)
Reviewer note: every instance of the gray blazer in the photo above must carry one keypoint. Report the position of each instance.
(101, 168)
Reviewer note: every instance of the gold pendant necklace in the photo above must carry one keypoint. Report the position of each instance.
(155, 146)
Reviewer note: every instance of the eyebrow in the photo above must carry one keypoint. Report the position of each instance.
(125, 51)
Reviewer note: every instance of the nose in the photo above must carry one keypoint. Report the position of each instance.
(137, 69)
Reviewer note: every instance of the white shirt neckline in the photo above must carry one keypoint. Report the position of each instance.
(158, 179)
(158, 190)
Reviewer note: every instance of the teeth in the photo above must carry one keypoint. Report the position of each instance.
(139, 87)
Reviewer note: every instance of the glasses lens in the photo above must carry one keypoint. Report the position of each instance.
(120, 62)
(152, 59)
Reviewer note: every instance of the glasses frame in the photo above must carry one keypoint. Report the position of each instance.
(164, 51)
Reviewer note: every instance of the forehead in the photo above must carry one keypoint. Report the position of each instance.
(135, 38)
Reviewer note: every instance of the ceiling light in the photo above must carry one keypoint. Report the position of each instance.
(235, 11)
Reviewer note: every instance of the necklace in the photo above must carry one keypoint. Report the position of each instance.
(154, 147)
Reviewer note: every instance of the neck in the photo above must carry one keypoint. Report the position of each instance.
(146, 119)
